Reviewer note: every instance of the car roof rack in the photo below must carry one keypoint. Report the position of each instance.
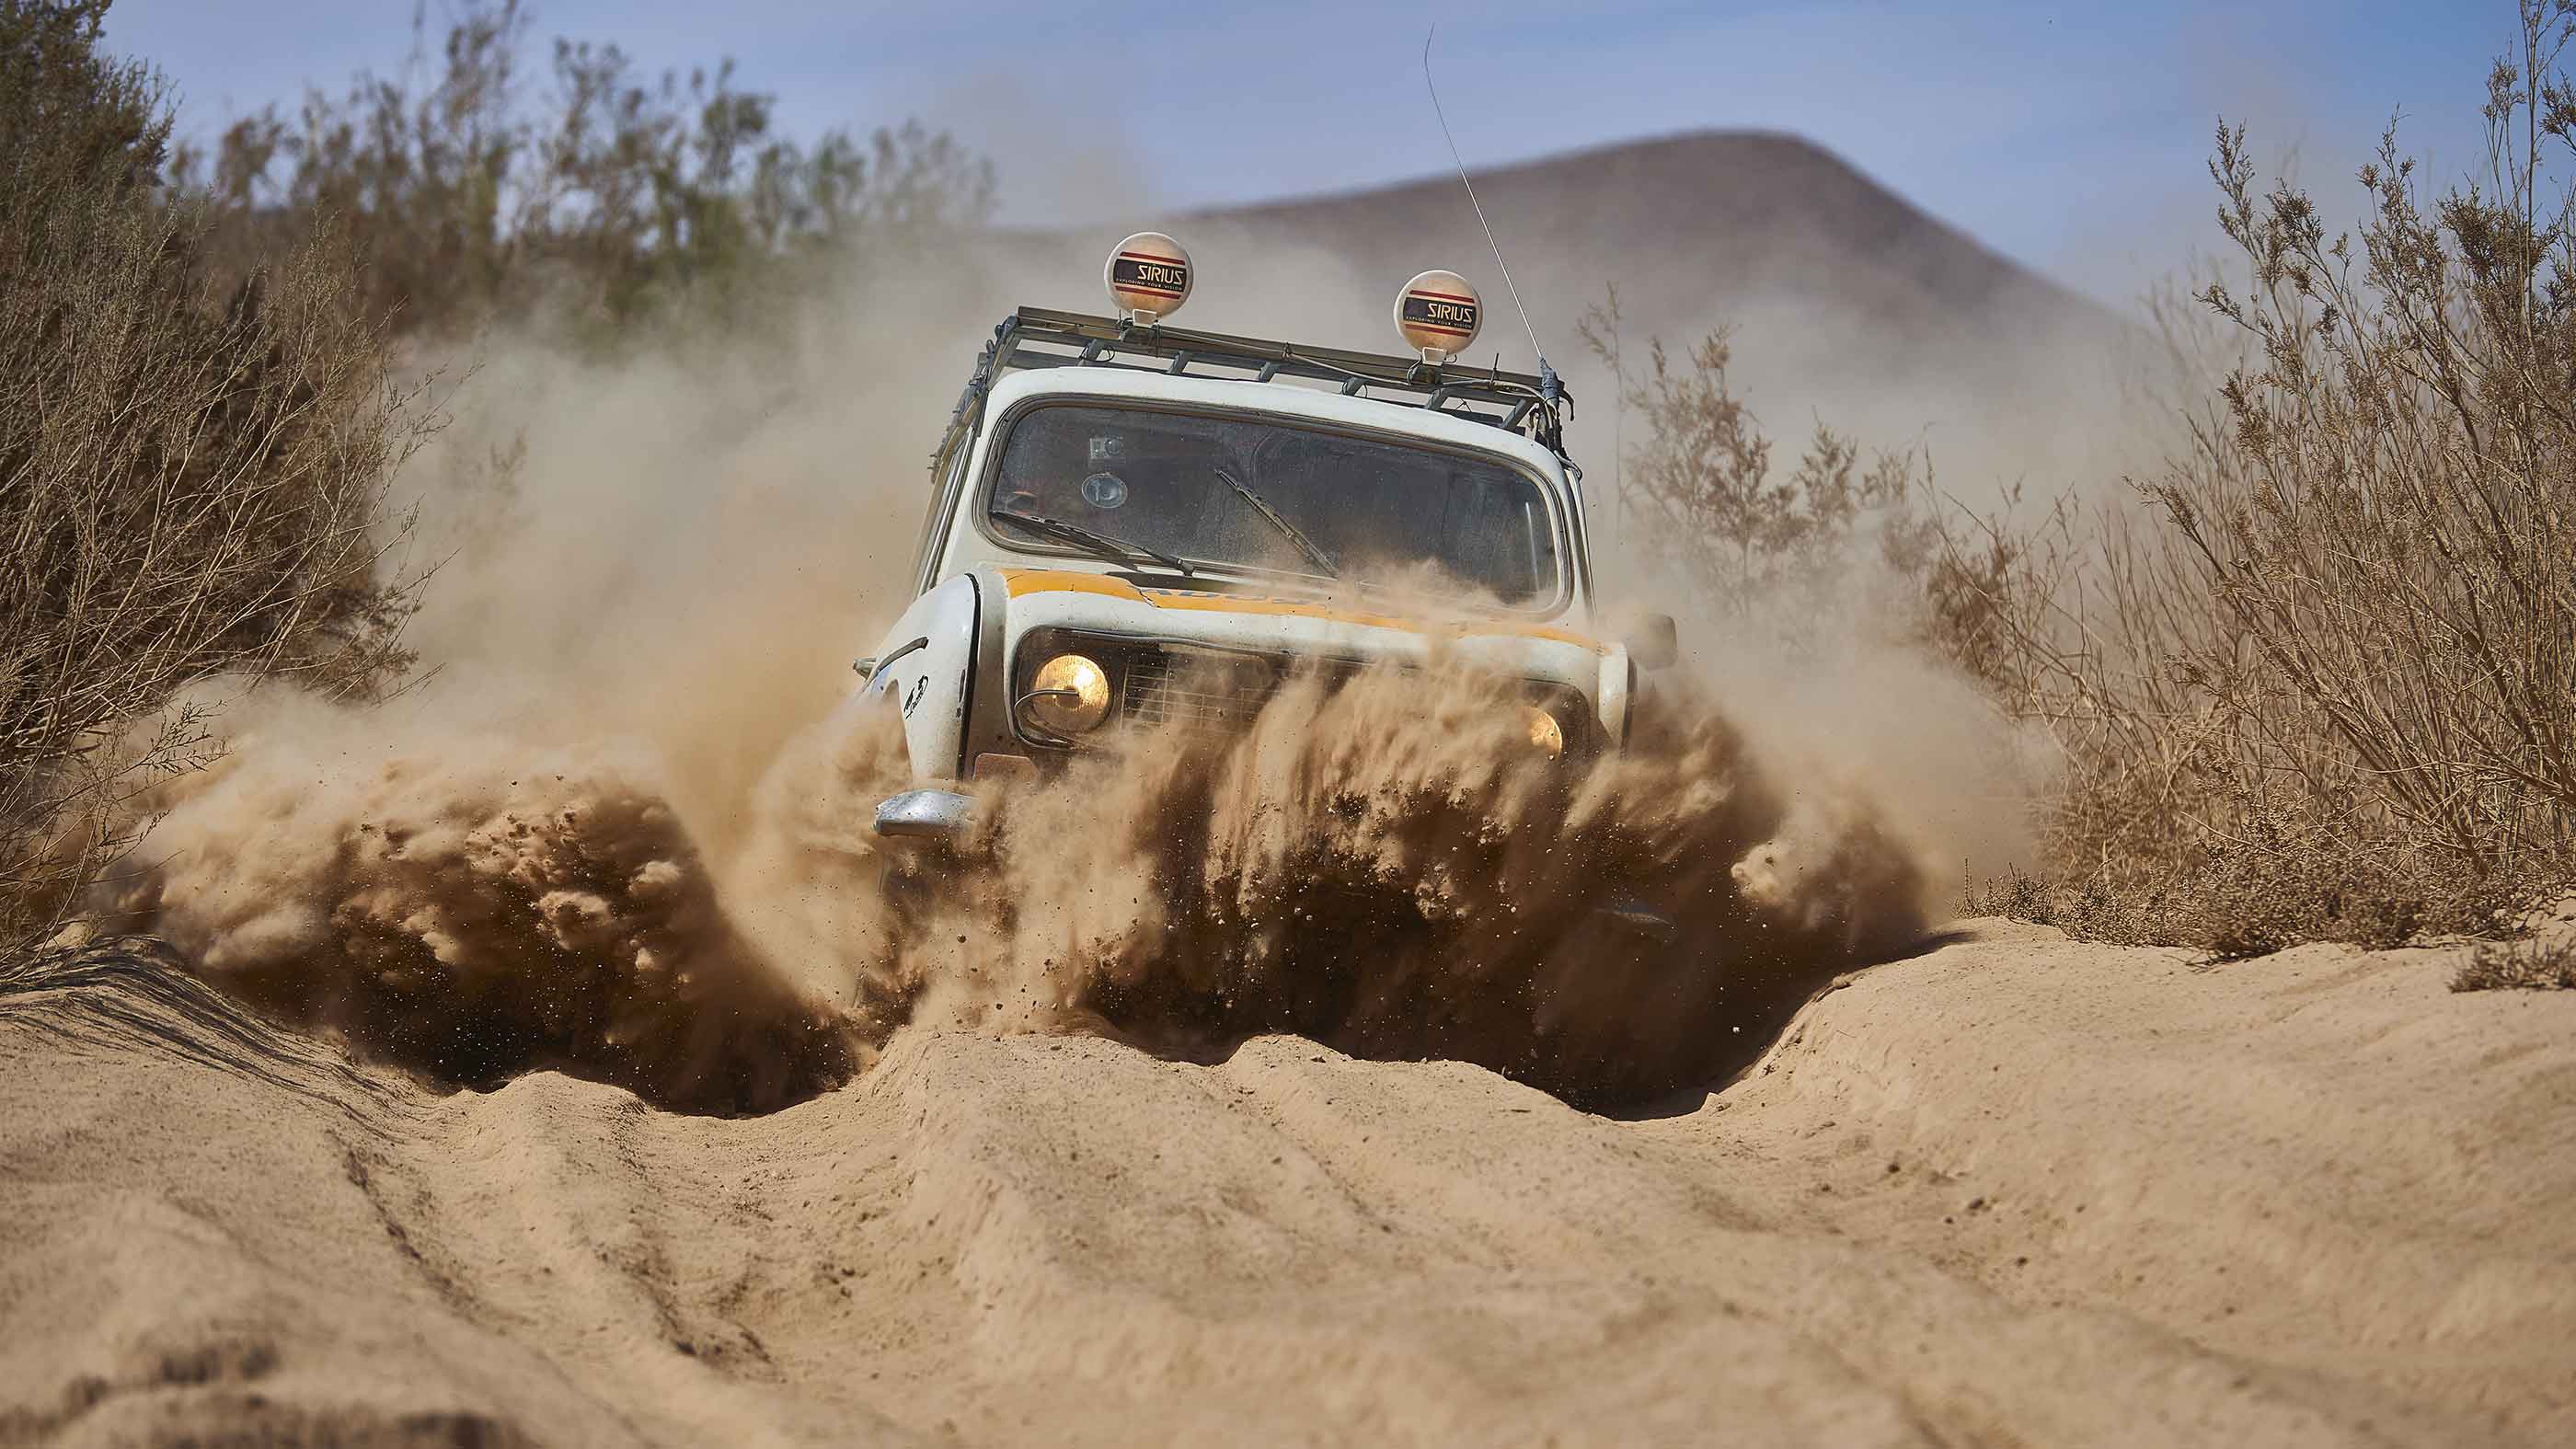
(1036, 337)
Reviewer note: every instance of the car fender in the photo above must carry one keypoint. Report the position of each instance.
(1615, 701)
(924, 669)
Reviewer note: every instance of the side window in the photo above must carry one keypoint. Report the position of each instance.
(945, 473)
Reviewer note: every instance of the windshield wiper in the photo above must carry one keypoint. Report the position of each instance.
(1297, 536)
(1116, 550)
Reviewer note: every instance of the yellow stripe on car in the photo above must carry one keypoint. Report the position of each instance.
(1040, 581)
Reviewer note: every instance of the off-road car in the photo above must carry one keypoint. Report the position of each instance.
(1133, 524)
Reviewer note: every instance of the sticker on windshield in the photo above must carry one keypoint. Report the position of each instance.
(1104, 490)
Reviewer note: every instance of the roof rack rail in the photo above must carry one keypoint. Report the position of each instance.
(1034, 337)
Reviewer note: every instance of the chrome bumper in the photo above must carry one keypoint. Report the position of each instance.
(934, 816)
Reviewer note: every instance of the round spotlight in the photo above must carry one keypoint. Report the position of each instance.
(1545, 734)
(1148, 277)
(1438, 314)
(1069, 694)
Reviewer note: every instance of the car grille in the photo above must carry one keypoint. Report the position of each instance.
(1195, 691)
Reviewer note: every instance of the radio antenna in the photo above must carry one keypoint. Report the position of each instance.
(1547, 374)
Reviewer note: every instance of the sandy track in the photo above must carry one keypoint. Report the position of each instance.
(2017, 1191)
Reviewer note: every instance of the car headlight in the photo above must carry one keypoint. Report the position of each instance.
(1069, 695)
(1545, 734)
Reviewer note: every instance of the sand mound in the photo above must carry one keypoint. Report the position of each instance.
(2016, 1191)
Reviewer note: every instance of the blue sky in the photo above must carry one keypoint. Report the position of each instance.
(2070, 137)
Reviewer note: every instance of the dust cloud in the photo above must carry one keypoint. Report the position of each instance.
(621, 829)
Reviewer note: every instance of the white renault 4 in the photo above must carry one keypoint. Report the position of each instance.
(1133, 525)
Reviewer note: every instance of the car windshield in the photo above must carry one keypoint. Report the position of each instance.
(1267, 494)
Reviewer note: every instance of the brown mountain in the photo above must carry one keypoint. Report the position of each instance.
(1848, 301)
(1688, 226)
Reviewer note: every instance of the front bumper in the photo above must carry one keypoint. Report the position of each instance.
(925, 817)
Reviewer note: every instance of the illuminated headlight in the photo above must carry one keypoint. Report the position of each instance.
(1545, 734)
(1069, 695)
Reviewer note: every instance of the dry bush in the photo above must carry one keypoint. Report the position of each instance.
(197, 412)
(2322, 682)
(1805, 555)
(625, 192)
(2086, 910)
(190, 478)
(2519, 966)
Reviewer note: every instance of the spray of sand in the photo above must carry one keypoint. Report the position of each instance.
(1387, 866)
(1384, 865)
(475, 906)
(622, 831)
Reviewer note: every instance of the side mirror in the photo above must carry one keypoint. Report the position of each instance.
(1656, 642)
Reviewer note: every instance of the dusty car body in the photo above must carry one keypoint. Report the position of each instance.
(1137, 525)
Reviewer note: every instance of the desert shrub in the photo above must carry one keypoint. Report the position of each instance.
(2534, 965)
(2320, 681)
(2085, 910)
(199, 411)
(191, 476)
(625, 193)
(1803, 550)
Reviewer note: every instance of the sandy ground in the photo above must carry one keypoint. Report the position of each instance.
(2013, 1191)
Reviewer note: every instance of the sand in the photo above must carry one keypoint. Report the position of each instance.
(2016, 1190)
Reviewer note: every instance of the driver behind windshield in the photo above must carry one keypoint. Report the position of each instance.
(1109, 477)
(1255, 492)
